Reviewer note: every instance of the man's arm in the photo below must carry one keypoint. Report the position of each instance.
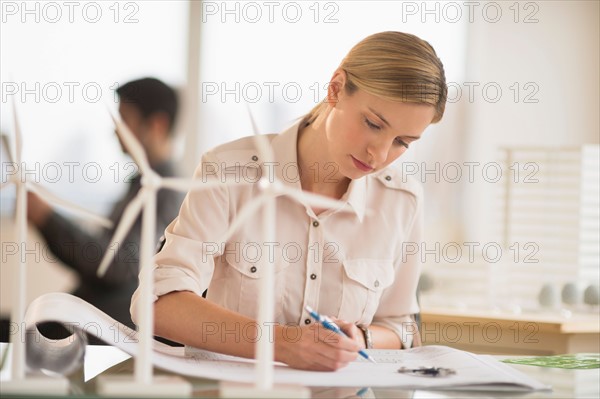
(82, 251)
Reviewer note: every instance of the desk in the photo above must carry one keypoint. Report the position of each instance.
(566, 383)
(511, 334)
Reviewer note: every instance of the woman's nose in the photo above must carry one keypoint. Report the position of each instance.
(379, 149)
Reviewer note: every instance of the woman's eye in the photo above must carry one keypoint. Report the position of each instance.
(371, 124)
(401, 142)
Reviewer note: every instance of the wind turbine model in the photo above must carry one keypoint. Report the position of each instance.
(143, 383)
(146, 199)
(19, 382)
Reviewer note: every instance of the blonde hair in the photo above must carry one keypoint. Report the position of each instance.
(395, 66)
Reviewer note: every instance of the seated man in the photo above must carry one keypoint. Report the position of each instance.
(149, 109)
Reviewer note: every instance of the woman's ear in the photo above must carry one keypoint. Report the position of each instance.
(336, 86)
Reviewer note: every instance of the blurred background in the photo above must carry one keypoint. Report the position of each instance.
(510, 174)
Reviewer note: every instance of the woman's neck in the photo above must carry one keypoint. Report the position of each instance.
(317, 173)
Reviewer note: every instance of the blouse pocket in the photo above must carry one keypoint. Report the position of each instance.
(248, 275)
(364, 282)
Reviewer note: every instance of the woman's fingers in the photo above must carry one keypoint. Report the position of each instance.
(337, 348)
(319, 349)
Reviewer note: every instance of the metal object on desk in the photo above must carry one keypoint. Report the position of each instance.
(427, 371)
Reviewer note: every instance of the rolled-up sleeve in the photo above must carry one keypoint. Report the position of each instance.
(186, 261)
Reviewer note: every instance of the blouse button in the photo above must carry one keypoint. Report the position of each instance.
(307, 321)
(316, 224)
(253, 269)
(388, 178)
(376, 283)
(254, 158)
(313, 276)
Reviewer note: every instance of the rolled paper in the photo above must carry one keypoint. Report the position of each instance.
(54, 356)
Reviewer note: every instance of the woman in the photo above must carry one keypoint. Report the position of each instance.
(347, 262)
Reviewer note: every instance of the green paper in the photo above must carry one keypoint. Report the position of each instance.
(578, 361)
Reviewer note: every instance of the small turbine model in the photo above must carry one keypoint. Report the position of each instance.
(20, 382)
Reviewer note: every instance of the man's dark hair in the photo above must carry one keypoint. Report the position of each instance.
(150, 96)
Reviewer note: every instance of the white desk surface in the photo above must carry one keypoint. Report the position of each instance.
(566, 383)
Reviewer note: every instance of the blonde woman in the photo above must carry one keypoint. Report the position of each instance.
(346, 263)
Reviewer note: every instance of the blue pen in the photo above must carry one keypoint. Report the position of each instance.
(330, 325)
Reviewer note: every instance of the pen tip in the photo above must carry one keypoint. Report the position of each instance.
(372, 360)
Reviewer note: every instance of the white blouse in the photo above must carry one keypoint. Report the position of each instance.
(347, 262)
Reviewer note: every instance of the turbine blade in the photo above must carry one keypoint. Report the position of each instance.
(131, 143)
(76, 209)
(127, 220)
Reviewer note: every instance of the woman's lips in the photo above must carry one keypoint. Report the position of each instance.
(360, 165)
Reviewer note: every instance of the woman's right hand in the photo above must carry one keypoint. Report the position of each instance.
(313, 347)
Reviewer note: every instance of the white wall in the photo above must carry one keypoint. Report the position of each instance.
(560, 55)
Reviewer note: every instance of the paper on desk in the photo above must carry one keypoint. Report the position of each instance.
(472, 371)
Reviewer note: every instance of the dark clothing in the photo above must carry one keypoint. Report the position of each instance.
(83, 252)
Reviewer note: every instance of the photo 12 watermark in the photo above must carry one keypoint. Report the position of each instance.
(470, 332)
(53, 12)
(252, 252)
(470, 252)
(67, 171)
(493, 12)
(252, 12)
(493, 92)
(62, 92)
(125, 253)
(252, 92)
(470, 171)
(115, 333)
